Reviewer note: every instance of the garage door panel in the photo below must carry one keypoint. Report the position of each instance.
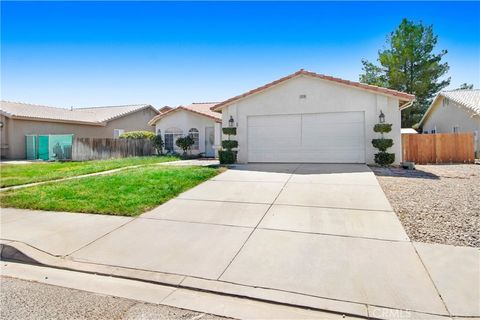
(322, 137)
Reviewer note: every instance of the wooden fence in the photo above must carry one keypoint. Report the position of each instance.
(100, 148)
(438, 148)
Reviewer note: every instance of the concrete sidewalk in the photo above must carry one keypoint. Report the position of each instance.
(317, 236)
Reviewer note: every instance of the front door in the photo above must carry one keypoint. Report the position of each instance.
(209, 142)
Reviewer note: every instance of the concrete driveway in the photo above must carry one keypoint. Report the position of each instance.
(310, 234)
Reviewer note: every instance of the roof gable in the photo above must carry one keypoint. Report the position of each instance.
(400, 95)
(468, 99)
(199, 108)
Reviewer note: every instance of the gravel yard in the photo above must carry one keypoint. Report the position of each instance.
(436, 203)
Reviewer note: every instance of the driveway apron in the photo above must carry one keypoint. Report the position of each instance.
(325, 231)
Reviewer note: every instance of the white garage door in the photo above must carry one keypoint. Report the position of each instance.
(321, 137)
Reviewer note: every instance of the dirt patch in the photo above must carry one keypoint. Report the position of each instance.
(436, 203)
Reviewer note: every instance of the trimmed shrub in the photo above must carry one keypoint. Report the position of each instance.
(382, 144)
(185, 143)
(229, 131)
(158, 143)
(229, 144)
(137, 135)
(382, 127)
(227, 156)
(384, 158)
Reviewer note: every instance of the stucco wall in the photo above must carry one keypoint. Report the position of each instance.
(17, 129)
(444, 116)
(321, 96)
(184, 121)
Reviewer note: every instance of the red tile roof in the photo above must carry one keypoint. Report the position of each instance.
(200, 108)
(401, 95)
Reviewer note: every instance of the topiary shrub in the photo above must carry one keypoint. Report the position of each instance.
(230, 131)
(227, 156)
(137, 135)
(229, 144)
(384, 158)
(185, 143)
(158, 143)
(382, 144)
(382, 127)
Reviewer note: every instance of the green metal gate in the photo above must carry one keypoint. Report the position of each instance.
(49, 147)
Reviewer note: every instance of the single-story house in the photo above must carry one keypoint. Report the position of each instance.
(310, 117)
(196, 120)
(17, 120)
(454, 111)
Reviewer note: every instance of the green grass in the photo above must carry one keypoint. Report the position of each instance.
(128, 193)
(17, 174)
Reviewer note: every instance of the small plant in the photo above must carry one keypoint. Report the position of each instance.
(137, 135)
(227, 156)
(382, 127)
(383, 158)
(230, 131)
(382, 144)
(158, 143)
(229, 144)
(185, 143)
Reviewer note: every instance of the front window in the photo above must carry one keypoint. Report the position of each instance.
(117, 133)
(194, 134)
(171, 135)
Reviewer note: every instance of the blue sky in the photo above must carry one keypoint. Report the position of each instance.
(171, 53)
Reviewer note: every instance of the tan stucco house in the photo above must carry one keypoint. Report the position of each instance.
(454, 111)
(197, 120)
(309, 117)
(20, 119)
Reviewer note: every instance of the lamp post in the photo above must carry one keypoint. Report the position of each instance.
(381, 117)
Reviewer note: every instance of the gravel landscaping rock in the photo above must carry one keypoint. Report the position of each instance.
(436, 203)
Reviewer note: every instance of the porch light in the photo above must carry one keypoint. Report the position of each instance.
(381, 117)
(231, 122)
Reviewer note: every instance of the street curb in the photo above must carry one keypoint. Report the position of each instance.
(21, 252)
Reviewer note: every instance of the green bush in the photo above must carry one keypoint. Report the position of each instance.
(382, 144)
(137, 135)
(382, 127)
(229, 144)
(185, 143)
(384, 158)
(229, 131)
(227, 156)
(158, 143)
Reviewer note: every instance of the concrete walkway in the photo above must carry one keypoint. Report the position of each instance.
(318, 236)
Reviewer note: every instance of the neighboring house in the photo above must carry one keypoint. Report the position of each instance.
(165, 109)
(309, 117)
(21, 119)
(454, 111)
(196, 120)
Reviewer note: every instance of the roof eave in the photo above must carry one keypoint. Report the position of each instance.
(102, 124)
(398, 95)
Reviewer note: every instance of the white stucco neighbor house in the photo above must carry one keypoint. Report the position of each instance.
(197, 120)
(454, 111)
(309, 117)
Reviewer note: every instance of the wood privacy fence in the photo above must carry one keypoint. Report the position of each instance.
(102, 148)
(438, 148)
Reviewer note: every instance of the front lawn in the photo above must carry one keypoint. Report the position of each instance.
(16, 174)
(129, 193)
